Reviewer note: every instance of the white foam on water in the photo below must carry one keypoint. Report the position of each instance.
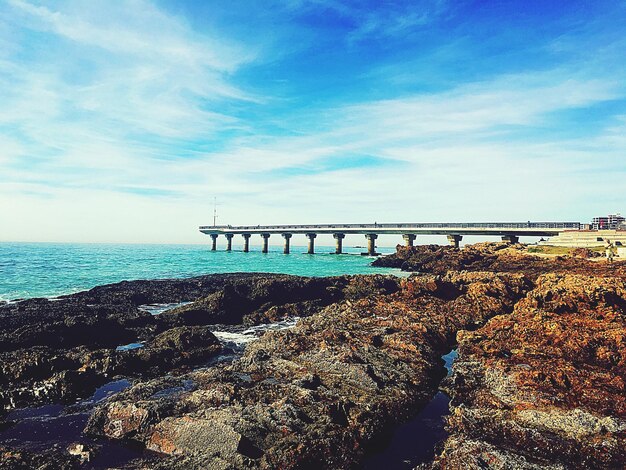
(129, 346)
(157, 309)
(239, 340)
(281, 325)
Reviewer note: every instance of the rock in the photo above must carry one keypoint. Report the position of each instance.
(173, 348)
(62, 350)
(202, 438)
(51, 459)
(545, 385)
(276, 298)
(318, 394)
(492, 257)
(463, 453)
(82, 451)
(585, 253)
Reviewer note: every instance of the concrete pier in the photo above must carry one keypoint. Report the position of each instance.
(339, 242)
(311, 237)
(246, 242)
(287, 237)
(371, 243)
(512, 239)
(509, 231)
(213, 241)
(409, 238)
(455, 240)
(229, 241)
(266, 237)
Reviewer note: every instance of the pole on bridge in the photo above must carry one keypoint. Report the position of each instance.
(455, 240)
(213, 241)
(229, 241)
(246, 242)
(409, 238)
(266, 237)
(287, 237)
(339, 242)
(371, 243)
(311, 237)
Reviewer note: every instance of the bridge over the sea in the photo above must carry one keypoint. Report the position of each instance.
(509, 231)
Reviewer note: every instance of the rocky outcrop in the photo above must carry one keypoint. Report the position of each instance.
(546, 385)
(320, 394)
(272, 299)
(493, 257)
(62, 349)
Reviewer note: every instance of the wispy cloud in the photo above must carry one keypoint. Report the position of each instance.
(115, 71)
(378, 19)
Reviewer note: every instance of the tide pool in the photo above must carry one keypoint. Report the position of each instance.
(52, 269)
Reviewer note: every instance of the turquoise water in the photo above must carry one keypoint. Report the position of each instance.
(51, 269)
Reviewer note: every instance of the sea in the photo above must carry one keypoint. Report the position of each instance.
(51, 269)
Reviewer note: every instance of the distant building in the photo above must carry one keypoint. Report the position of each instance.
(609, 222)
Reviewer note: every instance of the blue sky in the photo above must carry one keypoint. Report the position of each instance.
(123, 120)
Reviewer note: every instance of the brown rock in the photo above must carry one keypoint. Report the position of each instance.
(546, 384)
(319, 394)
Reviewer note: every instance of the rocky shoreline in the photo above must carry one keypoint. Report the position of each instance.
(539, 381)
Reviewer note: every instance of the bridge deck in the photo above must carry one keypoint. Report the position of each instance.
(481, 228)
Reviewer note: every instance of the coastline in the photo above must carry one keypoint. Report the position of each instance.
(52, 270)
(372, 345)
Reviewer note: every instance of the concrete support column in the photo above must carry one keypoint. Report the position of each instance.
(287, 237)
(512, 239)
(213, 241)
(371, 243)
(339, 242)
(266, 237)
(229, 241)
(455, 240)
(246, 242)
(409, 238)
(311, 237)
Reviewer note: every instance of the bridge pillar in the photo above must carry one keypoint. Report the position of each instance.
(311, 237)
(409, 238)
(371, 243)
(246, 242)
(213, 241)
(339, 242)
(287, 237)
(455, 240)
(266, 237)
(512, 239)
(229, 241)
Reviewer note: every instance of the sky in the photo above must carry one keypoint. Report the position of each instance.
(122, 120)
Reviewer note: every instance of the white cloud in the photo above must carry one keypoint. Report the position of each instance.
(117, 69)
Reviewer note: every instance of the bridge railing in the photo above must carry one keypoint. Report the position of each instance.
(408, 226)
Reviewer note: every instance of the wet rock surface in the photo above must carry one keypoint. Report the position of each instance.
(62, 349)
(318, 395)
(546, 385)
(54, 459)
